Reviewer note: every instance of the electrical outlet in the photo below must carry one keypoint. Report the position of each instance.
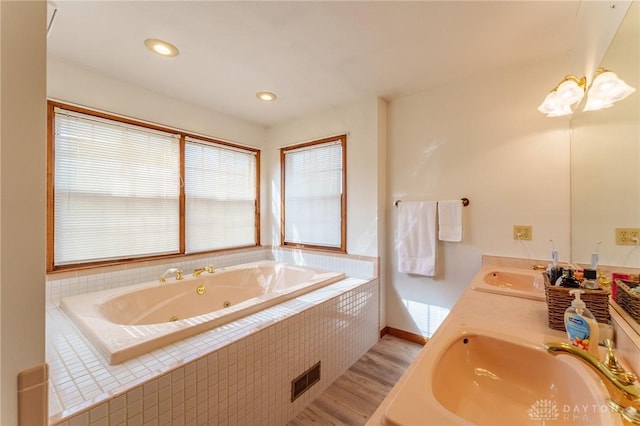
(627, 236)
(522, 232)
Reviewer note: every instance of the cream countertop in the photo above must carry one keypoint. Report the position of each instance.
(508, 316)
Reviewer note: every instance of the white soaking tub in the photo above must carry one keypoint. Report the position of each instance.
(129, 321)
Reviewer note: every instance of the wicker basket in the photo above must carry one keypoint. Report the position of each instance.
(559, 299)
(629, 300)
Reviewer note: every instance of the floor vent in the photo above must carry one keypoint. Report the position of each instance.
(304, 381)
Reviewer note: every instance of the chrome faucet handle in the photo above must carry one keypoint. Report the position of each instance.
(611, 362)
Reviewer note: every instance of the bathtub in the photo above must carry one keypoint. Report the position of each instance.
(129, 321)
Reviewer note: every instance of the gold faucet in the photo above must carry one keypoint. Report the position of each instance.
(625, 396)
(209, 268)
(176, 271)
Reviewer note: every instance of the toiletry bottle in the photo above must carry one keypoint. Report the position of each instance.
(554, 271)
(581, 325)
(568, 280)
(590, 282)
(565, 273)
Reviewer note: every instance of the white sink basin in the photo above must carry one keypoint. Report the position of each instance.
(477, 378)
(511, 282)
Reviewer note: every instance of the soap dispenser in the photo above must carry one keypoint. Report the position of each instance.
(581, 325)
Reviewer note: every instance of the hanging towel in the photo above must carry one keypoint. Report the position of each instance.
(417, 237)
(450, 220)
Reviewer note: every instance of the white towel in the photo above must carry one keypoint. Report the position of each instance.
(450, 220)
(416, 243)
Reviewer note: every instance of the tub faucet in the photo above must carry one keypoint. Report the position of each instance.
(625, 396)
(175, 271)
(209, 268)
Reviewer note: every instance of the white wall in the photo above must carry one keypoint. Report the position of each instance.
(360, 121)
(383, 205)
(72, 83)
(22, 201)
(483, 139)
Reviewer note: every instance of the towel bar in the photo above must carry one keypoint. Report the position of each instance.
(465, 202)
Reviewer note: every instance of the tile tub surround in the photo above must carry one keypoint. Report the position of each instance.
(82, 386)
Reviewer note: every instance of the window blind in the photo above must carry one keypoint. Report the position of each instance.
(116, 190)
(220, 193)
(313, 195)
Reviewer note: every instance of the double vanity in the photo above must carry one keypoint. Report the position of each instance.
(487, 364)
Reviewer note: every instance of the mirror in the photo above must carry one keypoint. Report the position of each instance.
(605, 160)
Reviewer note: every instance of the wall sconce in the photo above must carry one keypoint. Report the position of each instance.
(606, 89)
(567, 93)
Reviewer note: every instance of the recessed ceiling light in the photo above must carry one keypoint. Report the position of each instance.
(266, 96)
(161, 47)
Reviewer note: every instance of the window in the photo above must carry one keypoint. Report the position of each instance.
(220, 187)
(116, 191)
(314, 195)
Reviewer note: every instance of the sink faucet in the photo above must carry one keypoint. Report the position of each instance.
(625, 396)
(176, 271)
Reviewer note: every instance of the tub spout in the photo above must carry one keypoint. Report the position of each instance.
(209, 268)
(625, 396)
(176, 271)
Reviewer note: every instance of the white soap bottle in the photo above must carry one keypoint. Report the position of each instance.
(581, 325)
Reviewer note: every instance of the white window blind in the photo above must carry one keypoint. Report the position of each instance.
(116, 190)
(220, 192)
(313, 195)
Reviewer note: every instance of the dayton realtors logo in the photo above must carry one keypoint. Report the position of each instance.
(545, 410)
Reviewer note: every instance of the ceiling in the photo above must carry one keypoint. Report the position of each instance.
(313, 55)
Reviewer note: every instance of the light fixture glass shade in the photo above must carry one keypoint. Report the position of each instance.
(553, 106)
(606, 89)
(569, 92)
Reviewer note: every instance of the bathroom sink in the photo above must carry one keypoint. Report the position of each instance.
(512, 282)
(485, 380)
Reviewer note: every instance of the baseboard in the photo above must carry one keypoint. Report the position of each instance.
(401, 334)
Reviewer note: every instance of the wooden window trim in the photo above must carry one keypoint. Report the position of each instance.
(343, 201)
(51, 268)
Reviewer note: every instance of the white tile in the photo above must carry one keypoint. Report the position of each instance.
(242, 360)
(80, 420)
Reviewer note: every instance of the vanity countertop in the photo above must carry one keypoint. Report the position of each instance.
(514, 317)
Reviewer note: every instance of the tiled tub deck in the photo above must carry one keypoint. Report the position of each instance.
(239, 373)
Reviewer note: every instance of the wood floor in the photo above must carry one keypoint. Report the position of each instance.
(354, 397)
